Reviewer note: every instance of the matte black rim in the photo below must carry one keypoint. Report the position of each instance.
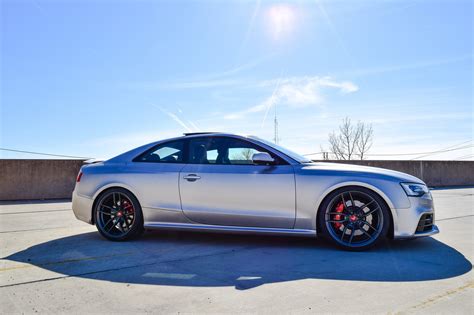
(354, 219)
(115, 214)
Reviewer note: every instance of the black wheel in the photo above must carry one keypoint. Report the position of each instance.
(118, 215)
(354, 218)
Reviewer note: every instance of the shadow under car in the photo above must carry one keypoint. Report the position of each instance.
(242, 261)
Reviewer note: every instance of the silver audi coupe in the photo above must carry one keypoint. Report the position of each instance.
(231, 183)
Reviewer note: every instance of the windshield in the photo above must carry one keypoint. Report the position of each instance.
(295, 156)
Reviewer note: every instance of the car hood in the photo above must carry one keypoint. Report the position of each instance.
(351, 170)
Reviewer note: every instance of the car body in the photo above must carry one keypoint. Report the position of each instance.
(226, 182)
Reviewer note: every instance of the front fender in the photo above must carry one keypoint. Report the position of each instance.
(311, 192)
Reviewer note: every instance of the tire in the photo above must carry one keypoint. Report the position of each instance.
(354, 218)
(118, 215)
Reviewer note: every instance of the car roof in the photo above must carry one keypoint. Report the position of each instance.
(129, 155)
(212, 133)
(201, 133)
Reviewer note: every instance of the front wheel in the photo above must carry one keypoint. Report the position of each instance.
(354, 218)
(118, 215)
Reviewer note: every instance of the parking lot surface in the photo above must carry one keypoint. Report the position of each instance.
(52, 263)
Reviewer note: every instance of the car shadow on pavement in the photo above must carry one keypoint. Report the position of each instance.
(242, 261)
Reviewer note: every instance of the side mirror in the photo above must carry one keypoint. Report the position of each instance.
(262, 158)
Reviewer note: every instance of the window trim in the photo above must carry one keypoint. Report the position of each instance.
(281, 161)
(153, 148)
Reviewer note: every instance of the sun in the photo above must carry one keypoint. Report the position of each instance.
(281, 20)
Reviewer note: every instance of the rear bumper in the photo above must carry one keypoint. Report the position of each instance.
(82, 207)
(409, 220)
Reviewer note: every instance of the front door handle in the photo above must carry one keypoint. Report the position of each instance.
(191, 177)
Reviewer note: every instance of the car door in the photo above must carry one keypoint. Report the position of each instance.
(155, 175)
(220, 185)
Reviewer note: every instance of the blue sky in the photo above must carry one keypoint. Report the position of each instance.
(95, 78)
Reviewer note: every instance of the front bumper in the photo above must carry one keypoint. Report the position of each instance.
(410, 222)
(82, 207)
(434, 230)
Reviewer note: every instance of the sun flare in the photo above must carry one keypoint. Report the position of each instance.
(281, 20)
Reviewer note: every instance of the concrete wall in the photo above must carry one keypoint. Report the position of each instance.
(37, 179)
(51, 179)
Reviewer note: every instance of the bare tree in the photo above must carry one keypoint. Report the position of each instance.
(352, 141)
(364, 142)
(245, 155)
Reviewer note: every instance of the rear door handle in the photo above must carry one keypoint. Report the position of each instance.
(191, 177)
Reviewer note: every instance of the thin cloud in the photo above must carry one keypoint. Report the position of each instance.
(173, 117)
(296, 92)
(199, 84)
(311, 82)
(224, 78)
(271, 101)
(250, 26)
(344, 86)
(220, 79)
(333, 28)
(193, 125)
(408, 66)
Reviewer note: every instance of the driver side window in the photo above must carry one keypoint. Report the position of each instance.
(224, 151)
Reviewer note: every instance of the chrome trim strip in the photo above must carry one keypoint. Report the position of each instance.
(226, 228)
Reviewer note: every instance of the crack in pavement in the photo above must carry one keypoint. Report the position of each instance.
(452, 218)
(426, 303)
(52, 263)
(29, 230)
(39, 211)
(120, 268)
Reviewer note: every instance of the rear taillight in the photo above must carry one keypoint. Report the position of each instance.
(79, 176)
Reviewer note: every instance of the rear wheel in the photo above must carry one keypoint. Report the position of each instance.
(118, 215)
(354, 218)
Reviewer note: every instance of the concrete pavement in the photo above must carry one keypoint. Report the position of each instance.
(52, 263)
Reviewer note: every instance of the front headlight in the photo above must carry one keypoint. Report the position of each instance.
(416, 190)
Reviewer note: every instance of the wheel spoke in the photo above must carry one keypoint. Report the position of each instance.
(118, 225)
(369, 225)
(112, 226)
(367, 204)
(105, 206)
(352, 236)
(336, 221)
(371, 211)
(126, 223)
(119, 201)
(111, 220)
(352, 199)
(343, 232)
(343, 201)
(365, 232)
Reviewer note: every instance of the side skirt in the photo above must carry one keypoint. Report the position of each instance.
(228, 229)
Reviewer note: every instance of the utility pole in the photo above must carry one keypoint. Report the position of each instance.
(275, 123)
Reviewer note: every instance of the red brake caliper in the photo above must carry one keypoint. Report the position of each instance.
(339, 208)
